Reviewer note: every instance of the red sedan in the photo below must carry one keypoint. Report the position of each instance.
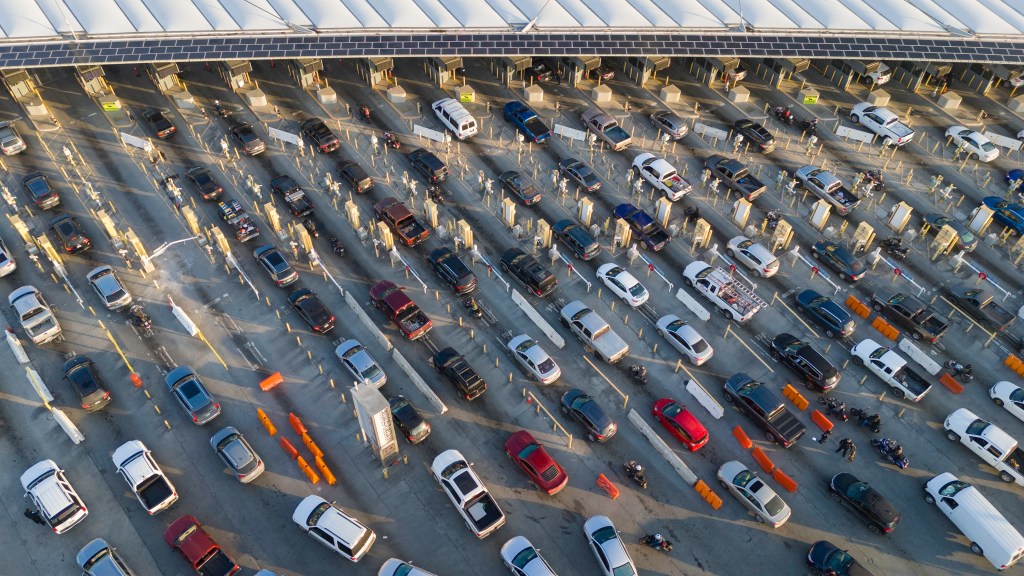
(681, 423)
(531, 457)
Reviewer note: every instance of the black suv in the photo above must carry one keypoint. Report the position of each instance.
(453, 271)
(577, 238)
(873, 508)
(528, 271)
(585, 410)
(756, 134)
(429, 165)
(317, 132)
(203, 182)
(458, 371)
(355, 176)
(818, 373)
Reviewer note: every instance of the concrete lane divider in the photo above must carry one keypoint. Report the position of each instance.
(703, 398)
(296, 424)
(821, 421)
(662, 448)
(370, 325)
(307, 470)
(784, 480)
(67, 425)
(695, 307)
(325, 471)
(418, 381)
(16, 347)
(858, 307)
(265, 420)
(537, 319)
(949, 382)
(920, 356)
(887, 330)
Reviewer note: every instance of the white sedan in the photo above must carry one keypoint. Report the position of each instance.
(523, 559)
(608, 547)
(7, 264)
(753, 255)
(623, 284)
(534, 359)
(767, 506)
(974, 143)
(685, 339)
(1009, 396)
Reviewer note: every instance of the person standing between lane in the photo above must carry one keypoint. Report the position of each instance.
(844, 446)
(824, 436)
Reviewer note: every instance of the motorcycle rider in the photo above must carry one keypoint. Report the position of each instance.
(873, 421)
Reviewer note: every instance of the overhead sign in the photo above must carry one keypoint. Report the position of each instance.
(285, 136)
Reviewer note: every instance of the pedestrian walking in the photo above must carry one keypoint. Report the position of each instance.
(824, 436)
(844, 446)
(853, 452)
(34, 516)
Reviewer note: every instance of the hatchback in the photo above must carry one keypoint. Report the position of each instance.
(275, 265)
(671, 124)
(753, 255)
(80, 372)
(234, 450)
(108, 288)
(97, 558)
(188, 390)
(408, 420)
(354, 357)
(38, 189)
(585, 410)
(681, 423)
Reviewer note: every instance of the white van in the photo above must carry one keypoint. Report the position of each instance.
(455, 117)
(990, 534)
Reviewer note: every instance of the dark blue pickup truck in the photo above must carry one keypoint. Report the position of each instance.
(527, 121)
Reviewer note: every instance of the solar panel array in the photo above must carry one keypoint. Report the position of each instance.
(535, 44)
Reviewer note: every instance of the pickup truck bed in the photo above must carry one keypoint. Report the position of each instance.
(786, 424)
(484, 512)
(915, 384)
(155, 492)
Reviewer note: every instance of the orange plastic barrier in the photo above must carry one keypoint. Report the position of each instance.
(1012, 362)
(265, 420)
(607, 486)
(824, 423)
(297, 424)
(742, 437)
(784, 480)
(951, 383)
(863, 311)
(858, 307)
(312, 447)
(852, 302)
(309, 472)
(708, 494)
(795, 397)
(270, 382)
(325, 471)
(763, 460)
(288, 447)
(136, 380)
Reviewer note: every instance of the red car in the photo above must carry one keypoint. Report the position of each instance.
(542, 469)
(681, 423)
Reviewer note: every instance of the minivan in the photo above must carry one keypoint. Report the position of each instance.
(455, 116)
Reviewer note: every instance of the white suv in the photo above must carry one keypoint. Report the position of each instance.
(330, 526)
(52, 494)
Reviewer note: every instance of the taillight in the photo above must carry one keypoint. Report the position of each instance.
(106, 395)
(195, 418)
(217, 406)
(537, 291)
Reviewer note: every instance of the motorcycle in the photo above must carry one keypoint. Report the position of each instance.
(873, 421)
(873, 180)
(893, 246)
(434, 193)
(220, 110)
(636, 473)
(892, 452)
(834, 407)
(336, 246)
(691, 213)
(965, 372)
(639, 374)
(809, 125)
(310, 225)
(784, 114)
(141, 320)
(772, 220)
(657, 543)
(364, 112)
(472, 306)
(390, 140)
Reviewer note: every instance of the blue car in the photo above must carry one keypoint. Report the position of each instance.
(839, 259)
(1015, 175)
(527, 121)
(1009, 214)
(646, 229)
(825, 313)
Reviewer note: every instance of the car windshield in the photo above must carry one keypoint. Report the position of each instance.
(637, 289)
(371, 372)
(774, 506)
(700, 345)
(275, 260)
(977, 427)
(818, 301)
(624, 570)
(671, 410)
(185, 535)
(524, 557)
(96, 558)
(524, 346)
(839, 560)
(878, 353)
(602, 535)
(525, 452)
(546, 366)
(1017, 395)
(987, 146)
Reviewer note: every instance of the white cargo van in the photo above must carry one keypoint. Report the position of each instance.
(35, 315)
(455, 117)
(991, 535)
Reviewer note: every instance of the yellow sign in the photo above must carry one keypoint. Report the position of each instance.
(810, 99)
(467, 97)
(111, 105)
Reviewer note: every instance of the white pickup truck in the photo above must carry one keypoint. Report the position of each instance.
(891, 368)
(883, 122)
(661, 175)
(989, 442)
(593, 331)
(734, 300)
(467, 492)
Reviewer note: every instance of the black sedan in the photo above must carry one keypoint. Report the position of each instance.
(873, 508)
(452, 271)
(824, 556)
(245, 136)
(202, 181)
(312, 310)
(519, 187)
(70, 234)
(578, 172)
(541, 71)
(81, 373)
(408, 420)
(588, 412)
(159, 123)
(603, 73)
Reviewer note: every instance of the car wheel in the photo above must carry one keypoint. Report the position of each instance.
(928, 498)
(730, 252)
(661, 332)
(759, 519)
(855, 118)
(953, 436)
(1005, 476)
(636, 172)
(899, 393)
(504, 267)
(726, 313)
(877, 306)
(507, 454)
(998, 401)
(857, 361)
(830, 333)
(565, 410)
(844, 277)
(801, 309)
(563, 321)
(835, 496)
(815, 255)
(770, 437)
(775, 355)
(874, 529)
(724, 485)
(915, 335)
(977, 549)
(688, 282)
(974, 156)
(810, 386)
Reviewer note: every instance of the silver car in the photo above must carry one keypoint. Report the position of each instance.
(109, 288)
(753, 255)
(671, 124)
(97, 558)
(360, 364)
(608, 547)
(523, 559)
(534, 359)
(7, 264)
(767, 506)
(236, 452)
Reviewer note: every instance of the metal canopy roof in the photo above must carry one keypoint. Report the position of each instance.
(43, 20)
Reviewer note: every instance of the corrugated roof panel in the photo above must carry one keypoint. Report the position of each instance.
(653, 14)
(28, 21)
(293, 11)
(719, 9)
(867, 14)
(904, 16)
(140, 16)
(833, 15)
(401, 13)
(57, 14)
(976, 16)
(553, 16)
(761, 14)
(473, 14)
(508, 11)
(254, 14)
(796, 13)
(582, 13)
(366, 14)
(210, 11)
(614, 13)
(100, 16)
(438, 14)
(1012, 11)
